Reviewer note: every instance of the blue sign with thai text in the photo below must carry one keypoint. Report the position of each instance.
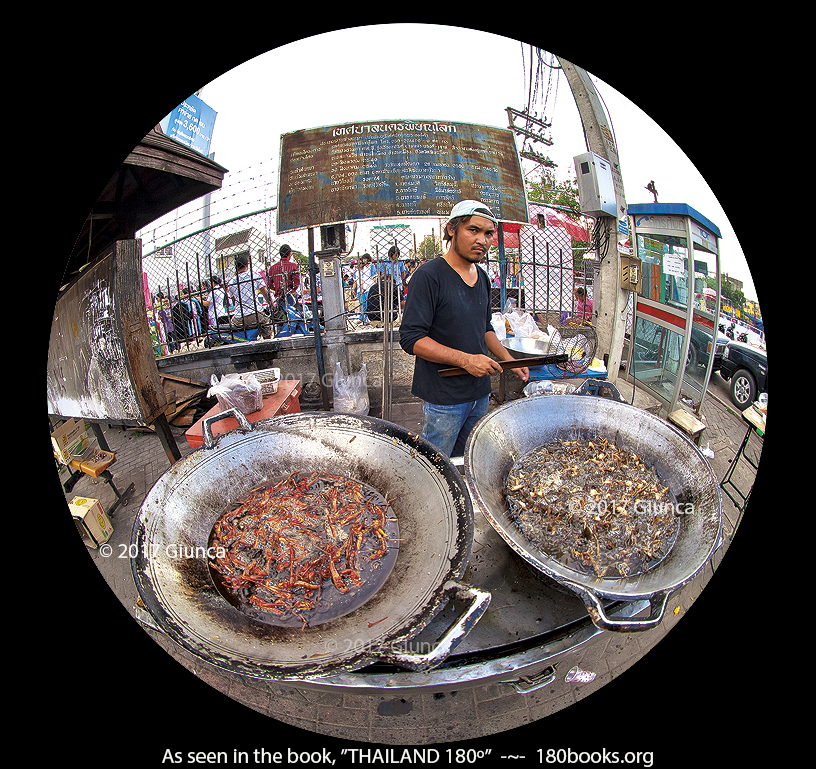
(191, 124)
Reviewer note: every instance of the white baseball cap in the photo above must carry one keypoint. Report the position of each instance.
(470, 207)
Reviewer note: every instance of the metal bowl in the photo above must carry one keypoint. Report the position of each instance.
(526, 347)
(428, 496)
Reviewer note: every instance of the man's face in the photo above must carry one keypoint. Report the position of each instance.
(473, 238)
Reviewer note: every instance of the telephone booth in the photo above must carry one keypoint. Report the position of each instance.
(674, 330)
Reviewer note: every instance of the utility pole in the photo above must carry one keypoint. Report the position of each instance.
(610, 301)
(530, 123)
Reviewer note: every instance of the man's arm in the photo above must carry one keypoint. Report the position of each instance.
(263, 290)
(476, 365)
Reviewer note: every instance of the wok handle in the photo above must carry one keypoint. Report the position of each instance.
(243, 422)
(479, 600)
(657, 602)
(525, 685)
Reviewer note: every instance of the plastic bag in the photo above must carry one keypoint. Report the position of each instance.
(351, 392)
(542, 387)
(240, 391)
(522, 324)
(548, 387)
(497, 321)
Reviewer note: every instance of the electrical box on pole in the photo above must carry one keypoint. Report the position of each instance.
(333, 236)
(596, 188)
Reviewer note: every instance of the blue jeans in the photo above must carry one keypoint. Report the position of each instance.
(363, 298)
(448, 427)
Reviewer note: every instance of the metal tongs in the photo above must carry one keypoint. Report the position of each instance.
(539, 360)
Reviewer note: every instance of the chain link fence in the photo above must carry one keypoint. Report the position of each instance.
(191, 292)
(544, 266)
(190, 300)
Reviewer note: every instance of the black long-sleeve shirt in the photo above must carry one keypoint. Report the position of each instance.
(440, 305)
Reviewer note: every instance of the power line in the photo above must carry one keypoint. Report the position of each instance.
(533, 127)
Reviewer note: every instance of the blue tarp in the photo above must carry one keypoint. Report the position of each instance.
(537, 373)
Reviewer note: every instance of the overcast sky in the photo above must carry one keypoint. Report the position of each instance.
(354, 75)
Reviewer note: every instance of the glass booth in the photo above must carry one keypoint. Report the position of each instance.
(675, 318)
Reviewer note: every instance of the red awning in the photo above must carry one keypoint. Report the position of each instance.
(551, 218)
(560, 219)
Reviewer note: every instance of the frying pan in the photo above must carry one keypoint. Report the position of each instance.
(428, 496)
(513, 430)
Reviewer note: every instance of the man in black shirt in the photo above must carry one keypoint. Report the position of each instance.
(447, 323)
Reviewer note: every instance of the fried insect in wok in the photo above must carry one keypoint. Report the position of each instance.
(593, 506)
(284, 545)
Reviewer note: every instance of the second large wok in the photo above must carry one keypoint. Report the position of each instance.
(513, 430)
(428, 497)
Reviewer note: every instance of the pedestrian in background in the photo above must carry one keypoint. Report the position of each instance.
(366, 281)
(244, 290)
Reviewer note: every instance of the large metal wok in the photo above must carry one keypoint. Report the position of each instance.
(513, 430)
(430, 500)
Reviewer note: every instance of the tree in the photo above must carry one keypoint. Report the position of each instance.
(549, 190)
(302, 260)
(429, 248)
(733, 295)
(563, 194)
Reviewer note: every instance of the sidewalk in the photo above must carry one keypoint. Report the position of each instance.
(150, 677)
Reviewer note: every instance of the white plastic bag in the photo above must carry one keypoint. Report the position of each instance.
(351, 392)
(541, 387)
(497, 321)
(243, 392)
(523, 325)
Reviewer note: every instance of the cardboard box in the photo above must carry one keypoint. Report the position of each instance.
(71, 440)
(91, 521)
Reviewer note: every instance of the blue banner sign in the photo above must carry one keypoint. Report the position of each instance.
(191, 124)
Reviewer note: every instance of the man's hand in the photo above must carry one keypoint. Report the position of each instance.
(498, 349)
(481, 365)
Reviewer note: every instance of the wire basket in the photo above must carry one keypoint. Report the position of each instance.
(269, 378)
(577, 341)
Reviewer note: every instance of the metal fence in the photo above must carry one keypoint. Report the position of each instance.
(188, 307)
(541, 274)
(187, 283)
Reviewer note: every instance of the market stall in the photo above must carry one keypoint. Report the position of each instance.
(459, 607)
